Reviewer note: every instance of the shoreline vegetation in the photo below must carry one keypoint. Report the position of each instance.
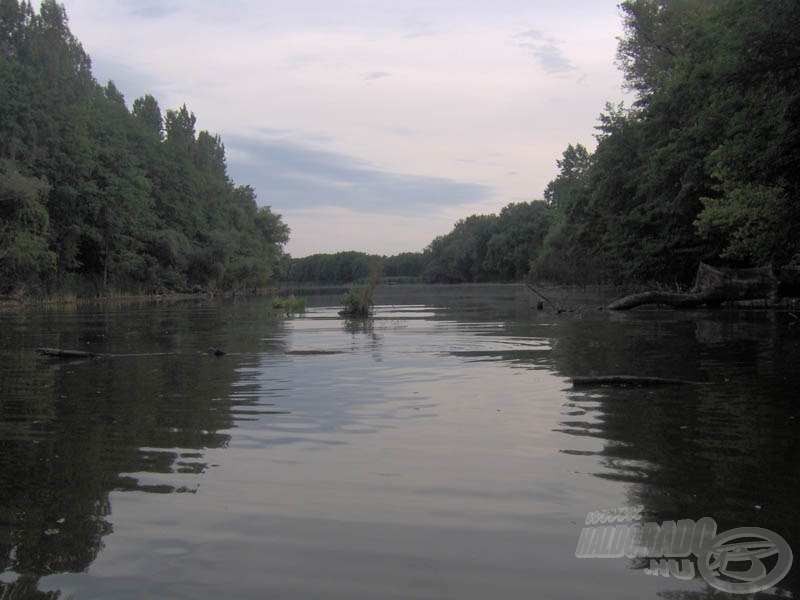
(291, 301)
(99, 197)
(111, 298)
(101, 200)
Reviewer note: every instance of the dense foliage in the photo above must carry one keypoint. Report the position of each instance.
(94, 196)
(479, 248)
(341, 267)
(489, 247)
(350, 266)
(706, 164)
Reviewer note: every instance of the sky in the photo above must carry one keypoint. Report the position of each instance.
(370, 125)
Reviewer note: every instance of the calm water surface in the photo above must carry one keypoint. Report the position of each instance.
(436, 451)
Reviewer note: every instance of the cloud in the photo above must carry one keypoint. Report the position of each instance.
(289, 175)
(131, 80)
(149, 9)
(416, 28)
(373, 75)
(546, 50)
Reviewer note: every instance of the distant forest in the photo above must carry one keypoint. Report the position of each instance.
(96, 198)
(704, 166)
(479, 248)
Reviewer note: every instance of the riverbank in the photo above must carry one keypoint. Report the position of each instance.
(67, 299)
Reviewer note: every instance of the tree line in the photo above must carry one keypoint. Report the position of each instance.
(704, 166)
(95, 196)
(479, 248)
(351, 266)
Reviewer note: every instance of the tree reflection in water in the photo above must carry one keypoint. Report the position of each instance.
(728, 449)
(73, 432)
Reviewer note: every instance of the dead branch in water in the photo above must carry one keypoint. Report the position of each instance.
(714, 286)
(625, 380)
(543, 297)
(61, 353)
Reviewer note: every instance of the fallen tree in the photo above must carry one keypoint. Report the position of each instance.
(713, 286)
(626, 380)
(61, 353)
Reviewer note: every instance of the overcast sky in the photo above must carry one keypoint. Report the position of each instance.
(370, 125)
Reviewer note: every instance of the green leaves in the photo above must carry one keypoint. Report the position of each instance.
(490, 247)
(706, 165)
(25, 259)
(749, 224)
(574, 167)
(147, 111)
(121, 200)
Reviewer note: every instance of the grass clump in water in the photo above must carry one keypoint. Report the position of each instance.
(290, 304)
(357, 302)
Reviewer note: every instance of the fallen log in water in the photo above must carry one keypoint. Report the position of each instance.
(60, 353)
(625, 380)
(673, 299)
(714, 286)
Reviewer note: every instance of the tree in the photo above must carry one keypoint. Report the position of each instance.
(573, 169)
(460, 255)
(519, 234)
(179, 129)
(749, 215)
(658, 34)
(405, 264)
(25, 259)
(146, 109)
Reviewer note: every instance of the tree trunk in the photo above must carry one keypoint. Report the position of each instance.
(714, 286)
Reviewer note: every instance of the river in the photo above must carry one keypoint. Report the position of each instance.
(436, 451)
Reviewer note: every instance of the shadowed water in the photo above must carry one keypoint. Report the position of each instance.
(435, 451)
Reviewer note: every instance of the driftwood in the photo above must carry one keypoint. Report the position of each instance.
(60, 353)
(313, 352)
(540, 305)
(625, 380)
(714, 286)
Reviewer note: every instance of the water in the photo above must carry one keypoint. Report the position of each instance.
(436, 451)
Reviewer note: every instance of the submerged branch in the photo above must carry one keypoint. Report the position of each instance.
(61, 353)
(714, 286)
(624, 380)
(543, 297)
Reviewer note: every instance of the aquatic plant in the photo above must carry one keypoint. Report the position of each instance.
(290, 304)
(358, 302)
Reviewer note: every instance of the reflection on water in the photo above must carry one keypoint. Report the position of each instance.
(435, 451)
